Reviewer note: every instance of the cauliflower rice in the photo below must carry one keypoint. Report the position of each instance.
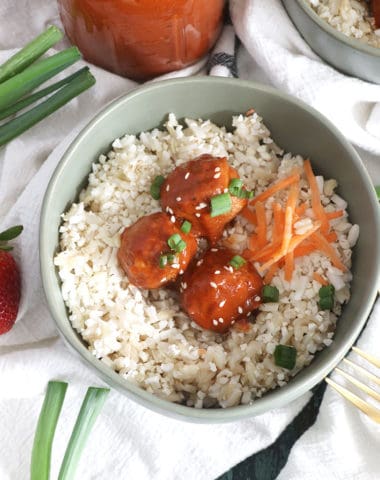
(350, 17)
(143, 334)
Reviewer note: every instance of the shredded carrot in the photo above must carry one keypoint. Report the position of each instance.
(270, 273)
(248, 255)
(303, 249)
(289, 266)
(287, 234)
(253, 243)
(316, 198)
(322, 244)
(280, 185)
(336, 214)
(294, 242)
(318, 278)
(249, 215)
(278, 223)
(301, 209)
(331, 237)
(261, 225)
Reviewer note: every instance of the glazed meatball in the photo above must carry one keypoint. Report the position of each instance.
(146, 257)
(188, 190)
(215, 294)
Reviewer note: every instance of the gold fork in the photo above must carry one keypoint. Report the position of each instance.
(365, 407)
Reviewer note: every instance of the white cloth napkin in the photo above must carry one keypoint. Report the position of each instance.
(272, 40)
(128, 441)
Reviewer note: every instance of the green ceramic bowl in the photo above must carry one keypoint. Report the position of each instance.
(297, 128)
(351, 56)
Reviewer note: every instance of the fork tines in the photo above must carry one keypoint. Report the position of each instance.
(365, 407)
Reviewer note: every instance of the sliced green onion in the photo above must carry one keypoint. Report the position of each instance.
(180, 247)
(163, 261)
(237, 261)
(23, 122)
(326, 303)
(378, 192)
(235, 186)
(186, 226)
(11, 233)
(270, 294)
(326, 291)
(236, 189)
(90, 409)
(220, 204)
(47, 422)
(285, 356)
(155, 188)
(173, 240)
(167, 259)
(25, 102)
(37, 73)
(30, 52)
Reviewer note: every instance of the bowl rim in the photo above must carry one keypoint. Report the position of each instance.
(349, 41)
(280, 397)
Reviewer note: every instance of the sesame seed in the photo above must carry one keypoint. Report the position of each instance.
(214, 249)
(225, 190)
(184, 285)
(197, 215)
(226, 268)
(221, 320)
(217, 272)
(222, 303)
(163, 279)
(167, 187)
(215, 322)
(201, 205)
(175, 265)
(178, 199)
(217, 175)
(213, 285)
(187, 175)
(233, 321)
(172, 219)
(240, 310)
(257, 299)
(199, 262)
(217, 169)
(181, 272)
(169, 210)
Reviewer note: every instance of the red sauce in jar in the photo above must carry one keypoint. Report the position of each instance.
(141, 39)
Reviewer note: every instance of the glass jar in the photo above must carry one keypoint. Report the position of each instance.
(141, 39)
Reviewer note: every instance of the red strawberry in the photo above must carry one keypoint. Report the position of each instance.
(10, 281)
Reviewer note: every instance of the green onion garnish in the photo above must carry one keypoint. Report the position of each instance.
(30, 52)
(220, 204)
(235, 186)
(236, 189)
(378, 192)
(20, 124)
(237, 261)
(270, 294)
(285, 356)
(180, 247)
(37, 73)
(163, 261)
(47, 422)
(155, 188)
(326, 303)
(176, 243)
(186, 226)
(326, 297)
(167, 259)
(173, 240)
(326, 291)
(90, 409)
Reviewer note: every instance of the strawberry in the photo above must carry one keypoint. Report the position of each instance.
(10, 281)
